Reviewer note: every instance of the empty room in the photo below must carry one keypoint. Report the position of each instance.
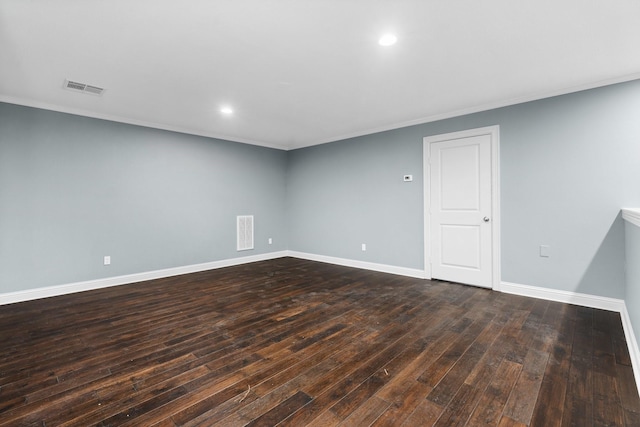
(319, 213)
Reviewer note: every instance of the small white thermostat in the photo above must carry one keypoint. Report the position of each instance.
(408, 178)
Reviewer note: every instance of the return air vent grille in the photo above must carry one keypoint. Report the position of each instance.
(245, 232)
(83, 87)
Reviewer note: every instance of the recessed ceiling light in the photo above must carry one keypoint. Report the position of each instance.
(227, 111)
(387, 40)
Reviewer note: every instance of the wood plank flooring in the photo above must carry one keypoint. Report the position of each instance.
(290, 342)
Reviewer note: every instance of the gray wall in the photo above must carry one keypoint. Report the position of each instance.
(568, 164)
(74, 189)
(343, 194)
(632, 297)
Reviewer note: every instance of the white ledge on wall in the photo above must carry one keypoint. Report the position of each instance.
(632, 215)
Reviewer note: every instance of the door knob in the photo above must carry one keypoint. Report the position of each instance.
(485, 219)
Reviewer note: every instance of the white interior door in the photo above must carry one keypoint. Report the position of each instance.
(461, 208)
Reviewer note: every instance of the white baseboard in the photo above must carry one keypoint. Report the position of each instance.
(51, 291)
(586, 300)
(632, 345)
(383, 268)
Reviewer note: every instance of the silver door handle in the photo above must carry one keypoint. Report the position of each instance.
(485, 219)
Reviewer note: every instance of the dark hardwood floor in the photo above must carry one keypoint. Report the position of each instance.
(291, 343)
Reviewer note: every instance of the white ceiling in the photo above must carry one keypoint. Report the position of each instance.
(305, 72)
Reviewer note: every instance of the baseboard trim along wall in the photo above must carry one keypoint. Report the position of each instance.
(586, 300)
(383, 268)
(632, 345)
(52, 291)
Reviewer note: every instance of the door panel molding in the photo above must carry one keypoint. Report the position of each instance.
(494, 133)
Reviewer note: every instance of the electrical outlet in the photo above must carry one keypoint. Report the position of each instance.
(545, 251)
(270, 241)
(364, 247)
(407, 178)
(107, 260)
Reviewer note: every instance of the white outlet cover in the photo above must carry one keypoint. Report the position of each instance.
(107, 260)
(407, 178)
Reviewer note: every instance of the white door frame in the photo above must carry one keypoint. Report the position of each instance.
(494, 132)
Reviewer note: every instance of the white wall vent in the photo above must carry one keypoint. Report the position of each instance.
(245, 232)
(83, 87)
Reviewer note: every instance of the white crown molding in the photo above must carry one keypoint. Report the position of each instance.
(383, 268)
(632, 215)
(52, 291)
(474, 109)
(303, 144)
(118, 119)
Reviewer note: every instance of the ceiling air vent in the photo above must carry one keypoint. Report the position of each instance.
(83, 87)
